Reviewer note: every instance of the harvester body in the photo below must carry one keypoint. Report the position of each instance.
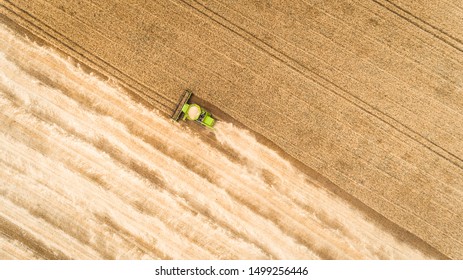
(192, 112)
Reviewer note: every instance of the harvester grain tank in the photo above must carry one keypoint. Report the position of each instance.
(192, 112)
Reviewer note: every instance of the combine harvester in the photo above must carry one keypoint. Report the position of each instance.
(192, 112)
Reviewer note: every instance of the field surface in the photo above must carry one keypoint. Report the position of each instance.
(366, 95)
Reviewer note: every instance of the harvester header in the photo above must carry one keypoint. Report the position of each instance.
(193, 111)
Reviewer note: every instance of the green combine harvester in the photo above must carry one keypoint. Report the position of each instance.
(192, 112)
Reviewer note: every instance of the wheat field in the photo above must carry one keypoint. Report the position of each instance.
(350, 103)
(86, 172)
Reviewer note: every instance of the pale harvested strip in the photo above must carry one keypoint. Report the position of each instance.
(54, 206)
(11, 249)
(337, 218)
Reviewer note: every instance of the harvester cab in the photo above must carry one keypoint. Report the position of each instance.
(192, 112)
